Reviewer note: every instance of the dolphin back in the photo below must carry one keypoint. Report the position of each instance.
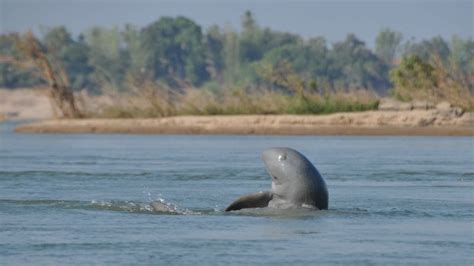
(320, 195)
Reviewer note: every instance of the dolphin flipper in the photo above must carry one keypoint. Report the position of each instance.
(253, 200)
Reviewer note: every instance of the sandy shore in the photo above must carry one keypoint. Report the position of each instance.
(417, 122)
(24, 104)
(29, 104)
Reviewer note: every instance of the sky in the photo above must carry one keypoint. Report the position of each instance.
(331, 19)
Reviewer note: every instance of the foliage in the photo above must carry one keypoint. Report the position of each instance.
(178, 54)
(12, 73)
(59, 91)
(417, 79)
(106, 56)
(73, 56)
(461, 56)
(176, 50)
(387, 45)
(355, 66)
(231, 102)
(427, 48)
(413, 76)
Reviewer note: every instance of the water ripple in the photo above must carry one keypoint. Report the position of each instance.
(101, 205)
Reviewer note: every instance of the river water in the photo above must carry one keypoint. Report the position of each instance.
(84, 199)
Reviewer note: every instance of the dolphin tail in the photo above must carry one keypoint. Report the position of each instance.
(253, 200)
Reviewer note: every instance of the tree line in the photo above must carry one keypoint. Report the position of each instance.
(177, 52)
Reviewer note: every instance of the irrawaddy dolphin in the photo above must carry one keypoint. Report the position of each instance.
(295, 184)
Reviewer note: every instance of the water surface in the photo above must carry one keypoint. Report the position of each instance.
(84, 199)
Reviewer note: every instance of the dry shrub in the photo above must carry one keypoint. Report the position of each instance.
(415, 79)
(453, 86)
(228, 102)
(198, 102)
(155, 100)
(147, 99)
(313, 103)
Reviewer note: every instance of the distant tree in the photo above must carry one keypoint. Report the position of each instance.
(72, 55)
(176, 50)
(387, 45)
(134, 50)
(427, 48)
(249, 24)
(7, 44)
(283, 76)
(317, 54)
(251, 48)
(57, 38)
(59, 90)
(12, 73)
(412, 78)
(274, 39)
(353, 65)
(462, 56)
(231, 51)
(255, 41)
(415, 78)
(215, 40)
(107, 56)
(308, 60)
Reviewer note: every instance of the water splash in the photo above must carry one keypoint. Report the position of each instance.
(161, 206)
(104, 205)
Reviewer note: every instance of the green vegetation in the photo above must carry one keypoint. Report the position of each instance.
(415, 79)
(173, 66)
(232, 102)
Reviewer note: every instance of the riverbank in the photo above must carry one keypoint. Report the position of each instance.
(414, 122)
(393, 118)
(25, 104)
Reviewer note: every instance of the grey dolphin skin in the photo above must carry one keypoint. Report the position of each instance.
(295, 183)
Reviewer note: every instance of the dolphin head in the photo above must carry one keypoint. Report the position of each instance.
(294, 178)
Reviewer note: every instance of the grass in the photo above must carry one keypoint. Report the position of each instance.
(331, 104)
(161, 103)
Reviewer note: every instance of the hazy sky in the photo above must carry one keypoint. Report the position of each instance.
(331, 19)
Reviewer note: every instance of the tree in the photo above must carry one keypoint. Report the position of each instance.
(250, 41)
(283, 75)
(249, 25)
(232, 62)
(134, 52)
(12, 72)
(415, 78)
(427, 48)
(462, 55)
(59, 91)
(57, 38)
(354, 66)
(387, 45)
(176, 51)
(255, 41)
(215, 52)
(412, 78)
(107, 56)
(72, 55)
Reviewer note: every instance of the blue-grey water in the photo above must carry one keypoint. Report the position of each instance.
(84, 200)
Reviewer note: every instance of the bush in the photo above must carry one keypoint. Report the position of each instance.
(415, 79)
